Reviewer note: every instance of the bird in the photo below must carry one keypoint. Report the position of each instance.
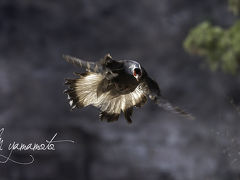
(114, 87)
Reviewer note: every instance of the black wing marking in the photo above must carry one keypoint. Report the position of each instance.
(109, 63)
(111, 67)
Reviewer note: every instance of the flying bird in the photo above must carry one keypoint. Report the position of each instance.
(114, 86)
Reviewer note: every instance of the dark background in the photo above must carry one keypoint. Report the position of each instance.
(158, 145)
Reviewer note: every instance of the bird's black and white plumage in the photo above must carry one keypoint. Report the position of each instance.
(114, 87)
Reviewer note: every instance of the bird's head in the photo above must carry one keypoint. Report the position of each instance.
(135, 69)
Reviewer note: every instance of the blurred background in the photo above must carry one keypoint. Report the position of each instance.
(162, 36)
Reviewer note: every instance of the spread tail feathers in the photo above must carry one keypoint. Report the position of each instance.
(82, 90)
(166, 105)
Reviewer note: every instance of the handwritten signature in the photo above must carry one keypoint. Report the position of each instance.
(14, 146)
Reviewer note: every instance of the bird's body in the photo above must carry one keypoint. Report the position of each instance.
(113, 87)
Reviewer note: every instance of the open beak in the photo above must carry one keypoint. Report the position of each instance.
(137, 74)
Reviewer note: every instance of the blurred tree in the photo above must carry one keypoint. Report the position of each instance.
(221, 47)
(234, 6)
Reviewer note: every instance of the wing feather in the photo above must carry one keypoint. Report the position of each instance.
(82, 92)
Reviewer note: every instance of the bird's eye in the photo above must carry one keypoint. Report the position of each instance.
(137, 71)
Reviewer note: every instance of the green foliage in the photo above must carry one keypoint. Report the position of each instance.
(234, 6)
(220, 47)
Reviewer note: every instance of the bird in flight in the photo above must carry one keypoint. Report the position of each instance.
(114, 86)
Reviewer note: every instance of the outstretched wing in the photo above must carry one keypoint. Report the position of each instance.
(88, 65)
(152, 89)
(106, 66)
(166, 105)
(82, 92)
